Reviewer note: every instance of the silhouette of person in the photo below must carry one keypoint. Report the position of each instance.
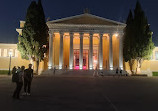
(28, 76)
(19, 83)
(54, 70)
(14, 70)
(117, 71)
(120, 71)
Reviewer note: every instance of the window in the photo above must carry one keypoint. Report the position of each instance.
(156, 55)
(0, 52)
(16, 53)
(5, 54)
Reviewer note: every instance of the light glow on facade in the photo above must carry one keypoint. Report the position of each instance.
(116, 34)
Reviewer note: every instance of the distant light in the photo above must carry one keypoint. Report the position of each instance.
(60, 67)
(116, 35)
(111, 68)
(10, 53)
(101, 68)
(90, 68)
(70, 66)
(81, 67)
(50, 66)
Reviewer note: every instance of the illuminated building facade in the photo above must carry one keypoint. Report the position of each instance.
(85, 42)
(88, 42)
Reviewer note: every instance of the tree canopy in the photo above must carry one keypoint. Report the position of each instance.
(33, 41)
(138, 43)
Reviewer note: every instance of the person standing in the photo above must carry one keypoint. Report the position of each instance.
(19, 83)
(120, 72)
(28, 76)
(95, 73)
(14, 70)
(117, 71)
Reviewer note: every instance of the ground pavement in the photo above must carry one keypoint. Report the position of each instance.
(83, 93)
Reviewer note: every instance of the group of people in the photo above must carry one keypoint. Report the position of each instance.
(22, 76)
(119, 71)
(96, 73)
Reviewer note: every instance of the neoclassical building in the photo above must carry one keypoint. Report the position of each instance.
(85, 41)
(80, 42)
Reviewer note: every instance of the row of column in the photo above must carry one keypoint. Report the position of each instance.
(50, 64)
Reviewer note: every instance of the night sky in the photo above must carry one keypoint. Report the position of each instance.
(12, 11)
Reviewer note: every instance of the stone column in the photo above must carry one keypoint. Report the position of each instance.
(110, 52)
(71, 52)
(81, 52)
(101, 52)
(50, 63)
(61, 52)
(91, 51)
(121, 51)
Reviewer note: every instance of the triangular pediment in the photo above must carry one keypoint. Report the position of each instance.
(86, 19)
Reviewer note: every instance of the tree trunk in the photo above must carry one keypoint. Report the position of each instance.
(139, 65)
(37, 66)
(31, 61)
(131, 62)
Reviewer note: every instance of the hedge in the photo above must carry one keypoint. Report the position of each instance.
(155, 73)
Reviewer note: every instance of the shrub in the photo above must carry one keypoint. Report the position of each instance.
(3, 72)
(155, 73)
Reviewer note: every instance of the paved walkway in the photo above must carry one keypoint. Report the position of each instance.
(71, 93)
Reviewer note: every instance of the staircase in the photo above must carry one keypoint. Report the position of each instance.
(81, 72)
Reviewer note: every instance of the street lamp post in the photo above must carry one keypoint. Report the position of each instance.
(10, 55)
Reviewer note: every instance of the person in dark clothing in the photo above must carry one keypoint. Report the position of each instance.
(117, 71)
(19, 83)
(14, 70)
(28, 76)
(121, 72)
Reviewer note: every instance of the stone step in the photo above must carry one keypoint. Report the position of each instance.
(82, 72)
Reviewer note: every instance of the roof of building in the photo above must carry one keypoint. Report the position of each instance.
(86, 18)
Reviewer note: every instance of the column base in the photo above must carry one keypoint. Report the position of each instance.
(81, 67)
(49, 67)
(101, 68)
(91, 68)
(121, 68)
(60, 67)
(70, 67)
(111, 68)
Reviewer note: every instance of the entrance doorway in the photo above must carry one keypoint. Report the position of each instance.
(76, 59)
(85, 59)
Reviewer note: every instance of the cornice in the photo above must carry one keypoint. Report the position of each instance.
(84, 25)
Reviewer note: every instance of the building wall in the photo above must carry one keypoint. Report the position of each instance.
(16, 59)
(5, 58)
(148, 66)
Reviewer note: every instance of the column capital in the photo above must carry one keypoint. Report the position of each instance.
(101, 34)
(61, 33)
(71, 33)
(110, 34)
(50, 32)
(91, 34)
(81, 34)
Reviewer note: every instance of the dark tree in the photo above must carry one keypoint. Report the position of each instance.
(128, 52)
(32, 43)
(139, 44)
